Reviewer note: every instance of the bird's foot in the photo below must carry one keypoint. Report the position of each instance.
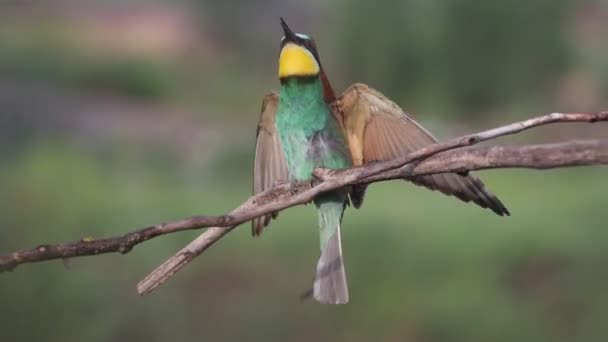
(279, 183)
(290, 187)
(320, 175)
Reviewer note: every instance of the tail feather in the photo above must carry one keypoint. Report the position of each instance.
(330, 285)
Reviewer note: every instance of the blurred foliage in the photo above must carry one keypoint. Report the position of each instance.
(43, 61)
(472, 55)
(96, 141)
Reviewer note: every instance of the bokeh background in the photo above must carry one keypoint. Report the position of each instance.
(119, 114)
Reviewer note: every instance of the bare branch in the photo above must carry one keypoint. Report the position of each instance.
(439, 160)
(90, 246)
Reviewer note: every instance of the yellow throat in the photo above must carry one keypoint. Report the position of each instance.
(296, 60)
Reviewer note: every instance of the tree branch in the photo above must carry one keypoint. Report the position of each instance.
(336, 179)
(440, 158)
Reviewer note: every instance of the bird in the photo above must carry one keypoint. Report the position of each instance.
(306, 126)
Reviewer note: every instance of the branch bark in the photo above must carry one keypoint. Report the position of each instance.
(438, 158)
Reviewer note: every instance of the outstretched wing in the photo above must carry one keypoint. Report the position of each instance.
(377, 129)
(269, 165)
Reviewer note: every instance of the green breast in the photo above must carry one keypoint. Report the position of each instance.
(309, 134)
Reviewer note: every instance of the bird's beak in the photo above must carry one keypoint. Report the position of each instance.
(289, 35)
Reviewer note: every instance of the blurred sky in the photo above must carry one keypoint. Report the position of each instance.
(119, 114)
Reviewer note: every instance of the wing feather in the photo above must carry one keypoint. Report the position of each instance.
(269, 165)
(386, 132)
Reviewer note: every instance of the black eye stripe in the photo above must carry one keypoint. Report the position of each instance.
(310, 45)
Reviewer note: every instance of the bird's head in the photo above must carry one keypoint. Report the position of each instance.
(298, 57)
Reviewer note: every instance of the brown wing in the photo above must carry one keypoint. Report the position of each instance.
(377, 129)
(269, 165)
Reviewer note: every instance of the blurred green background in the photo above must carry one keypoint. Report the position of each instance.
(119, 114)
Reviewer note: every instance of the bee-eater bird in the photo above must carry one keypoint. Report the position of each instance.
(306, 126)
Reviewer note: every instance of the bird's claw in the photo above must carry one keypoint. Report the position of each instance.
(291, 187)
(279, 182)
